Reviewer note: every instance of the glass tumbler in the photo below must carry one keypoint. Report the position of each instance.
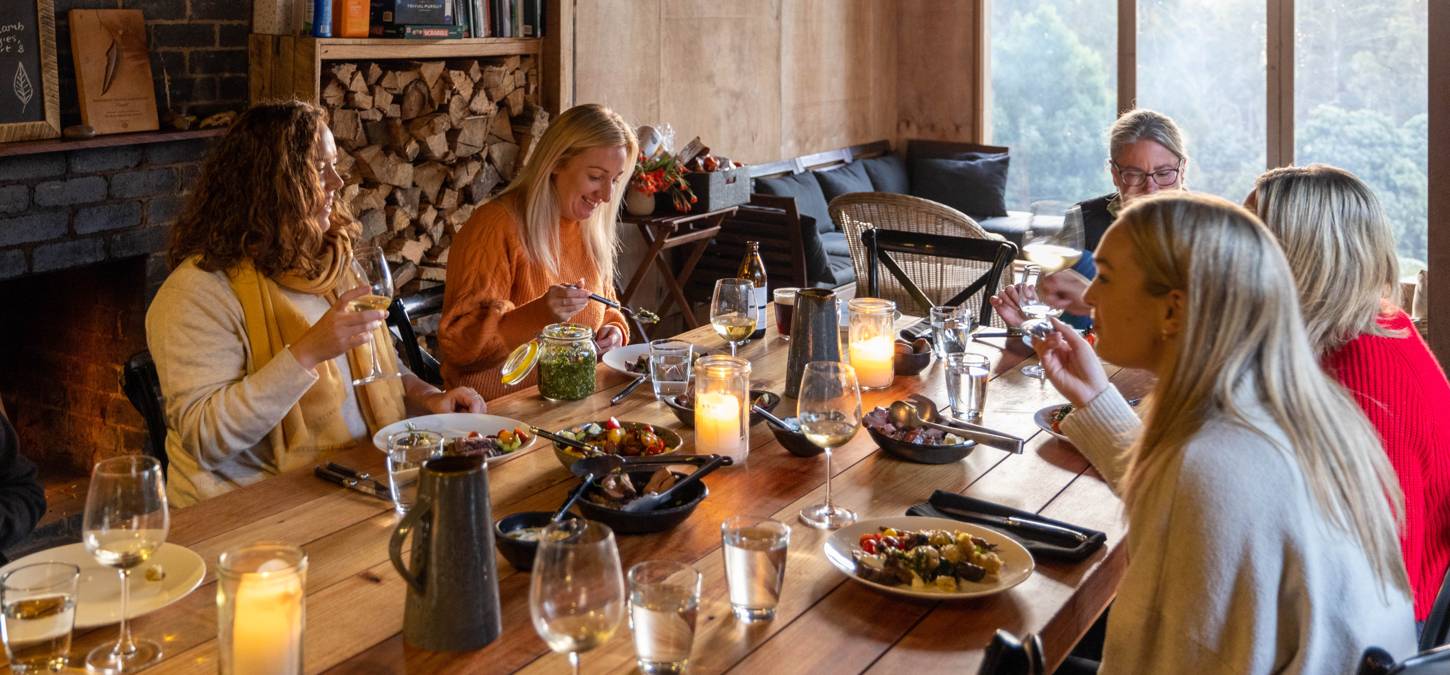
(407, 450)
(39, 602)
(664, 601)
(670, 362)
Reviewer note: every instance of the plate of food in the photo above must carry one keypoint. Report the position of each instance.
(170, 574)
(464, 433)
(929, 558)
(629, 359)
(1050, 419)
(613, 437)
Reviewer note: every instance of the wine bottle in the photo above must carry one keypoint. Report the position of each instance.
(753, 268)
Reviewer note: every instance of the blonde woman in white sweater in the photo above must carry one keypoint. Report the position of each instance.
(1262, 512)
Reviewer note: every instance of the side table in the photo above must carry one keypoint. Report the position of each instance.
(664, 232)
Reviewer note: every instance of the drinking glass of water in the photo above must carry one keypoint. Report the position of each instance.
(754, 565)
(39, 604)
(951, 329)
(967, 376)
(407, 450)
(669, 367)
(664, 600)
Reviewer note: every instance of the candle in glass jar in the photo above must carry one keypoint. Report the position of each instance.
(872, 359)
(267, 622)
(718, 428)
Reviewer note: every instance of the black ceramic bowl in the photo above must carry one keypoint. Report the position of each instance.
(684, 406)
(794, 441)
(658, 520)
(518, 552)
(911, 364)
(920, 452)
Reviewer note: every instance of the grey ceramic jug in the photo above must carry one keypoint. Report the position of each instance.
(452, 602)
(813, 335)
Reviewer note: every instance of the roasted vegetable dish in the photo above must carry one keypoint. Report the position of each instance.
(615, 438)
(880, 420)
(492, 445)
(929, 560)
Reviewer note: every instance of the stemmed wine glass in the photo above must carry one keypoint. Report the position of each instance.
(370, 267)
(732, 310)
(829, 409)
(1053, 242)
(125, 521)
(576, 593)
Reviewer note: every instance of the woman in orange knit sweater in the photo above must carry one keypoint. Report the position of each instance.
(531, 256)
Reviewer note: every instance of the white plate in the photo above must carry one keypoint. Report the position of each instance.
(621, 358)
(1017, 563)
(99, 593)
(454, 425)
(1043, 418)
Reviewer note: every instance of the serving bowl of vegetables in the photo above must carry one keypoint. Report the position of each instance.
(613, 437)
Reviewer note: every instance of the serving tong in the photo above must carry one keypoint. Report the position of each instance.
(591, 468)
(352, 479)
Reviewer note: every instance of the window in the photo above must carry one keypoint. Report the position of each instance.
(1053, 96)
(1360, 68)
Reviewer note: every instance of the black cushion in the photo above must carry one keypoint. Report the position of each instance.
(846, 179)
(809, 200)
(975, 186)
(887, 173)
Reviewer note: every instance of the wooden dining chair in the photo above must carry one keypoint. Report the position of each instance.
(1377, 661)
(401, 314)
(932, 269)
(143, 389)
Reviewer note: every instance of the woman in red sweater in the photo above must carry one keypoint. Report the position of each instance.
(1342, 253)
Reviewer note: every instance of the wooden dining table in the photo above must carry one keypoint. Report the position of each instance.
(825, 622)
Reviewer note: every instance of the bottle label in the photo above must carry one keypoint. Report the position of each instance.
(758, 297)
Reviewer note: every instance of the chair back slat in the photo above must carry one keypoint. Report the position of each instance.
(992, 257)
(142, 387)
(401, 314)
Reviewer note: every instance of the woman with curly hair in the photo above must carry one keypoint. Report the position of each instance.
(251, 333)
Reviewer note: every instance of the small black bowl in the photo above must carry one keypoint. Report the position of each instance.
(518, 552)
(911, 364)
(684, 407)
(920, 452)
(794, 441)
(658, 520)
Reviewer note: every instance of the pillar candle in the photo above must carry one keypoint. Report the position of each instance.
(718, 427)
(267, 624)
(872, 359)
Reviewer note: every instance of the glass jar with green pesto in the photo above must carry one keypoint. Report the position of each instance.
(567, 358)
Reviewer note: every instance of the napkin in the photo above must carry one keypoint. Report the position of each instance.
(1053, 549)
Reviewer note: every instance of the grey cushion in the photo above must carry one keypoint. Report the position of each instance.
(887, 173)
(838, 256)
(809, 200)
(844, 180)
(974, 186)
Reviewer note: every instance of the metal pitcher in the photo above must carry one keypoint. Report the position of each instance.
(452, 602)
(813, 335)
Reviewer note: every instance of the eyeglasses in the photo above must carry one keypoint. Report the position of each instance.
(1136, 178)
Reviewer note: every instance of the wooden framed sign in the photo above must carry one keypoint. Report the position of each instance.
(113, 70)
(29, 77)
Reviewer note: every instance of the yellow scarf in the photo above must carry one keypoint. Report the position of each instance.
(315, 423)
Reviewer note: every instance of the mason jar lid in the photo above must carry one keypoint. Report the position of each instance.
(520, 363)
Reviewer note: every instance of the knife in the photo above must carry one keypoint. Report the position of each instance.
(372, 489)
(628, 389)
(1015, 523)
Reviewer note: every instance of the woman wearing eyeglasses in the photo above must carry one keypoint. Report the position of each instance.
(1147, 155)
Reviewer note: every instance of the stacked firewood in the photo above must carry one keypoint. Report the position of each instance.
(423, 143)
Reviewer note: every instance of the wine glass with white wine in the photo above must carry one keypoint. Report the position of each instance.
(576, 591)
(1053, 242)
(371, 268)
(126, 520)
(732, 311)
(829, 409)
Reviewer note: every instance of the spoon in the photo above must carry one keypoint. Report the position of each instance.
(905, 415)
(641, 315)
(573, 497)
(989, 437)
(770, 417)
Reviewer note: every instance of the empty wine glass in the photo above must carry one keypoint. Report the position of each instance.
(576, 592)
(125, 521)
(829, 409)
(371, 268)
(732, 311)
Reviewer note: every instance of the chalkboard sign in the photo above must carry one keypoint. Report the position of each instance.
(29, 89)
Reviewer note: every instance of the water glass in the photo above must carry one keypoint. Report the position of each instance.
(407, 450)
(39, 604)
(967, 376)
(664, 600)
(669, 367)
(951, 329)
(784, 310)
(755, 553)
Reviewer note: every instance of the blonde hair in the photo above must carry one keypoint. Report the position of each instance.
(578, 129)
(1340, 248)
(1141, 124)
(1233, 274)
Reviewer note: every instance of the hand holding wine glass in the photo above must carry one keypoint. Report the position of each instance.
(126, 520)
(829, 409)
(372, 269)
(732, 311)
(576, 591)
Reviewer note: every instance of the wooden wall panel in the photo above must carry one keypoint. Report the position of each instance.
(838, 79)
(936, 67)
(617, 56)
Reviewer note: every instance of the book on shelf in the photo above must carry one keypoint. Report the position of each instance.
(533, 17)
(350, 18)
(409, 12)
(417, 31)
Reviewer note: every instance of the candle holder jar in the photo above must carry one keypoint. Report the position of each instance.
(261, 608)
(722, 407)
(871, 342)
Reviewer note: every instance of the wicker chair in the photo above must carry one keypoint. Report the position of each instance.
(939, 278)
